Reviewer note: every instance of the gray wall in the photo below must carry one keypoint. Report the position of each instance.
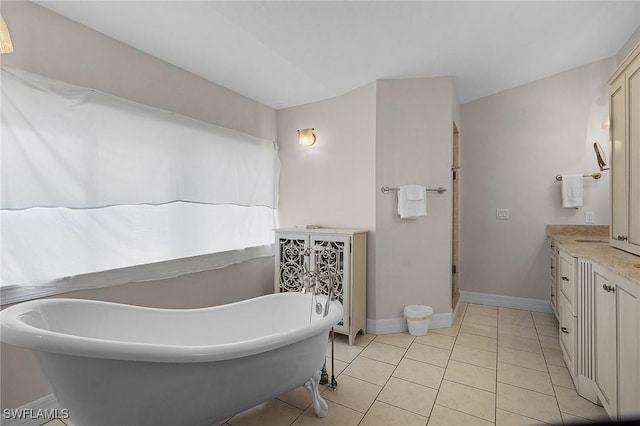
(332, 183)
(515, 143)
(414, 146)
(390, 132)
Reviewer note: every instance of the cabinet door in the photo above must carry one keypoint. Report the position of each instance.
(633, 94)
(290, 261)
(618, 163)
(624, 136)
(628, 320)
(337, 263)
(568, 337)
(605, 341)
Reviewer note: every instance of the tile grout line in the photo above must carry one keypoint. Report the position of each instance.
(548, 373)
(387, 381)
(443, 374)
(495, 394)
(537, 338)
(449, 360)
(495, 402)
(555, 396)
(381, 387)
(413, 341)
(495, 407)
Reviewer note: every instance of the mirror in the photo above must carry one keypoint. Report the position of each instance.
(600, 156)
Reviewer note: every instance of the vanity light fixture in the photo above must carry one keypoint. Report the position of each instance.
(5, 39)
(306, 137)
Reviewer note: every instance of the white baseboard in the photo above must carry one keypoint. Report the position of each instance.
(34, 413)
(535, 305)
(399, 325)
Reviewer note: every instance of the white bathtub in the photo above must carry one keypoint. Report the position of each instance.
(114, 364)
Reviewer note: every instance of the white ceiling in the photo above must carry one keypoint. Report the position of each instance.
(290, 53)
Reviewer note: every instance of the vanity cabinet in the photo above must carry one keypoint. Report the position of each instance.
(575, 318)
(624, 135)
(598, 303)
(617, 344)
(347, 263)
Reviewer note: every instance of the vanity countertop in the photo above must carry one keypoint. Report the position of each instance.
(592, 242)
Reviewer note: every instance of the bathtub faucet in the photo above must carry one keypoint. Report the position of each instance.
(309, 280)
(331, 283)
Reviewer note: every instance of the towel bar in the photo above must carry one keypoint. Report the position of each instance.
(592, 175)
(439, 190)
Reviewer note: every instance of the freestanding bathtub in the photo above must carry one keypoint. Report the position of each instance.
(114, 364)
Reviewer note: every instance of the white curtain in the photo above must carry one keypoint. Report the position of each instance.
(92, 182)
(67, 146)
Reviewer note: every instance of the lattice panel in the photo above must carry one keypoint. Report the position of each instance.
(291, 264)
(333, 262)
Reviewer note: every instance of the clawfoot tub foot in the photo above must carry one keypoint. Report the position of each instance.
(320, 406)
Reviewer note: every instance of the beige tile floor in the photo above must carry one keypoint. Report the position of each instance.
(494, 366)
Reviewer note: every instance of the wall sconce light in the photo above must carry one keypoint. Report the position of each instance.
(5, 39)
(601, 158)
(306, 137)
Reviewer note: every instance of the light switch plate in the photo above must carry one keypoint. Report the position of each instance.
(502, 214)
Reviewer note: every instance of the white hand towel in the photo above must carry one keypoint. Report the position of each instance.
(415, 192)
(572, 191)
(412, 201)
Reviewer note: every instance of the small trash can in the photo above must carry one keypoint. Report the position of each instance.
(418, 319)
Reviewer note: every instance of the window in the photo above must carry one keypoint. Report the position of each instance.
(92, 182)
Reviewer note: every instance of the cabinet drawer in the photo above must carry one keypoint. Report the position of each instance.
(567, 279)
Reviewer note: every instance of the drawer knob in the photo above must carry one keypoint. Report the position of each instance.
(621, 238)
(565, 279)
(565, 330)
(608, 288)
